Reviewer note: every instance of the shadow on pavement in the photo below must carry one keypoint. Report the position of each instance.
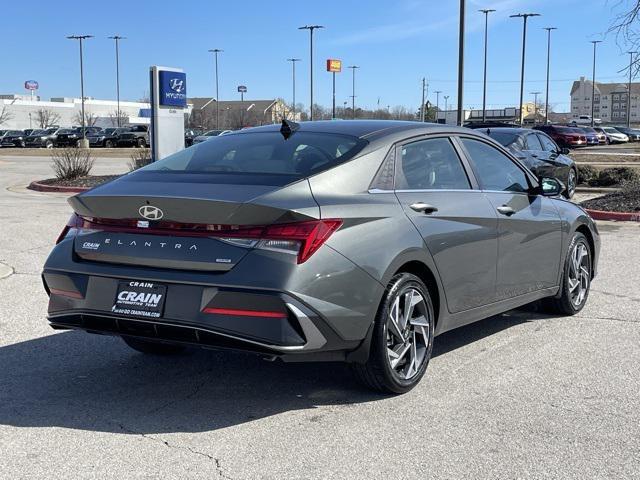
(90, 382)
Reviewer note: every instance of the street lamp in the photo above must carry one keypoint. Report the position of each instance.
(216, 51)
(461, 63)
(311, 28)
(546, 103)
(437, 92)
(293, 77)
(593, 81)
(80, 38)
(484, 83)
(446, 108)
(535, 106)
(353, 89)
(525, 17)
(117, 39)
(629, 89)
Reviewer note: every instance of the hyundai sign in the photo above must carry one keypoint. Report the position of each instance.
(173, 89)
(31, 85)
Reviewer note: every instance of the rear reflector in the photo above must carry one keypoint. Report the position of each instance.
(66, 293)
(244, 313)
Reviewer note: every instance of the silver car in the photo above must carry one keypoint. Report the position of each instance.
(354, 241)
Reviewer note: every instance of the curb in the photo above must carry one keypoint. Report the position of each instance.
(617, 216)
(596, 189)
(42, 187)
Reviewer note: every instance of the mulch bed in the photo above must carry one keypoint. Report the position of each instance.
(83, 182)
(615, 202)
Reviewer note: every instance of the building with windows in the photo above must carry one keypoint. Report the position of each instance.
(609, 102)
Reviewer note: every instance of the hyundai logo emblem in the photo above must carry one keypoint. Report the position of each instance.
(150, 212)
(176, 84)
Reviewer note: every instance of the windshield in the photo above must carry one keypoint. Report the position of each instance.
(38, 132)
(566, 129)
(301, 155)
(610, 130)
(65, 130)
(588, 130)
(213, 133)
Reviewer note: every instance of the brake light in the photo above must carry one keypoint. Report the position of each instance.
(244, 313)
(74, 222)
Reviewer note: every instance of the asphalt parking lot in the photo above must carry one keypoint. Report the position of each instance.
(521, 395)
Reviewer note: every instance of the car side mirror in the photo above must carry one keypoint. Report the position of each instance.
(565, 151)
(551, 187)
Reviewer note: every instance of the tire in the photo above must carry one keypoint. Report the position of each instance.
(152, 348)
(141, 143)
(567, 302)
(108, 144)
(572, 182)
(378, 373)
(48, 144)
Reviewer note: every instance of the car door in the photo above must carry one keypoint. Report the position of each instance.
(529, 226)
(558, 164)
(459, 225)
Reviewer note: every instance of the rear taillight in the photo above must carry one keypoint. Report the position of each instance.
(74, 222)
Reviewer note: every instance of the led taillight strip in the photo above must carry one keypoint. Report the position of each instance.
(244, 313)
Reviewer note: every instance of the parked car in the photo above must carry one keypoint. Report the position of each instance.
(632, 133)
(12, 138)
(614, 135)
(69, 137)
(45, 137)
(189, 135)
(136, 136)
(591, 134)
(584, 120)
(28, 131)
(602, 137)
(540, 154)
(207, 135)
(107, 138)
(564, 136)
(248, 242)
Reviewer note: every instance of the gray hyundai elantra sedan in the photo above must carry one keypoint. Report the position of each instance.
(354, 241)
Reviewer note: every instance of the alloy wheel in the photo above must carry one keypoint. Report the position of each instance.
(407, 333)
(579, 274)
(571, 183)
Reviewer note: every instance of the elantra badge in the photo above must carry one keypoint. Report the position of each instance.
(150, 212)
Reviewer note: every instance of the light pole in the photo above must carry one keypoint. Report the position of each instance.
(293, 78)
(546, 103)
(216, 51)
(446, 108)
(80, 38)
(525, 17)
(629, 89)
(461, 63)
(311, 28)
(353, 89)
(535, 106)
(484, 82)
(422, 113)
(437, 92)
(593, 81)
(117, 39)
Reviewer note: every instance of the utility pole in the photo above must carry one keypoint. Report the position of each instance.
(461, 63)
(593, 81)
(293, 78)
(525, 17)
(484, 83)
(629, 89)
(446, 108)
(311, 28)
(535, 106)
(437, 92)
(546, 103)
(216, 51)
(422, 104)
(117, 39)
(80, 38)
(353, 89)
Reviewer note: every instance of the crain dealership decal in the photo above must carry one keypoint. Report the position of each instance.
(173, 88)
(143, 299)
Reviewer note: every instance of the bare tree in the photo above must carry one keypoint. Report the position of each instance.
(46, 117)
(5, 115)
(116, 115)
(626, 27)
(90, 119)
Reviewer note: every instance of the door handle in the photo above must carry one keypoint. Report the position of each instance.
(505, 210)
(423, 207)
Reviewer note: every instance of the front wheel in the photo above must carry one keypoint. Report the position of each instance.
(402, 339)
(108, 144)
(572, 182)
(142, 143)
(152, 348)
(576, 279)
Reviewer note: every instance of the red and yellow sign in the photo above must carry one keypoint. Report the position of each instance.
(334, 65)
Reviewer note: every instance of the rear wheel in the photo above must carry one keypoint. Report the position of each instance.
(572, 181)
(48, 144)
(108, 144)
(152, 348)
(402, 339)
(576, 279)
(142, 143)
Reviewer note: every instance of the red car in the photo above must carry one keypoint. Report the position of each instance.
(564, 136)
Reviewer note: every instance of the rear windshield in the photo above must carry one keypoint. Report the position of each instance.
(263, 153)
(506, 139)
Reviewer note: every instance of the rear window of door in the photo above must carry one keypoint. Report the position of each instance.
(494, 169)
(548, 144)
(431, 164)
(532, 142)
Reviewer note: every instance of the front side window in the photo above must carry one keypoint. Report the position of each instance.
(532, 142)
(495, 170)
(548, 144)
(431, 164)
